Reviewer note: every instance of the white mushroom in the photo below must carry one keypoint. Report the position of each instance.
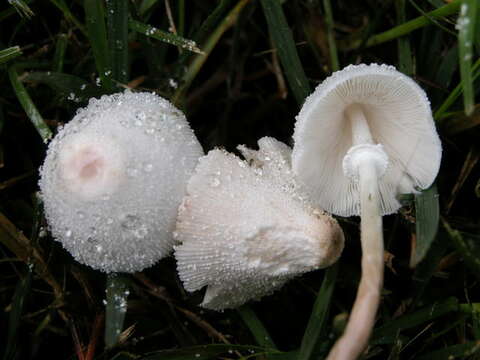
(362, 138)
(114, 177)
(243, 230)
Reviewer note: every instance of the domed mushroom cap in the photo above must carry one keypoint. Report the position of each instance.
(114, 177)
(399, 117)
(244, 235)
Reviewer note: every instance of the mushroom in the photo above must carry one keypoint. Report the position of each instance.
(243, 229)
(363, 137)
(113, 179)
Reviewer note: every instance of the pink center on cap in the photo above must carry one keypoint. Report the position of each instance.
(89, 164)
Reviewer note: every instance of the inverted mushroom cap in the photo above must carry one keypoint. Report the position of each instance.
(114, 177)
(400, 120)
(242, 234)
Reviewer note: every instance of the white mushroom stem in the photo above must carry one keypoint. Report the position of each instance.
(366, 162)
(362, 317)
(360, 129)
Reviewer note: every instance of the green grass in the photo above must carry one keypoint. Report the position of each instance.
(240, 70)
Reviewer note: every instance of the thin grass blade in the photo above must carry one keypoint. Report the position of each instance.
(460, 351)
(453, 96)
(164, 36)
(427, 210)
(260, 333)
(459, 122)
(388, 333)
(412, 25)
(63, 7)
(206, 28)
(66, 85)
(318, 318)
(116, 307)
(466, 31)
(145, 6)
(28, 105)
(332, 45)
(425, 269)
(97, 34)
(22, 8)
(468, 248)
(181, 18)
(117, 20)
(405, 63)
(9, 54)
(282, 38)
(204, 352)
(59, 55)
(21, 292)
(207, 48)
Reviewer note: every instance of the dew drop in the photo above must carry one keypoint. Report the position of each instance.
(132, 172)
(215, 182)
(133, 225)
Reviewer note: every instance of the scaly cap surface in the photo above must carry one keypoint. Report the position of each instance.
(244, 232)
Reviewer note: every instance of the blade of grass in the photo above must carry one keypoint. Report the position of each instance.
(204, 352)
(2, 119)
(28, 105)
(463, 351)
(206, 27)
(427, 210)
(282, 38)
(21, 246)
(387, 333)
(318, 318)
(432, 20)
(181, 17)
(62, 6)
(425, 270)
(21, 291)
(469, 250)
(456, 93)
(405, 63)
(22, 8)
(459, 122)
(116, 307)
(466, 30)
(97, 35)
(10, 11)
(412, 25)
(9, 54)
(59, 55)
(2, 122)
(259, 332)
(207, 48)
(117, 20)
(65, 85)
(332, 46)
(164, 36)
(146, 6)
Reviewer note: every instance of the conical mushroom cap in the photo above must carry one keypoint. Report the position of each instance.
(114, 177)
(400, 119)
(243, 234)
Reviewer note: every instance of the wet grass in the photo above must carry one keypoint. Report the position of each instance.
(240, 70)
